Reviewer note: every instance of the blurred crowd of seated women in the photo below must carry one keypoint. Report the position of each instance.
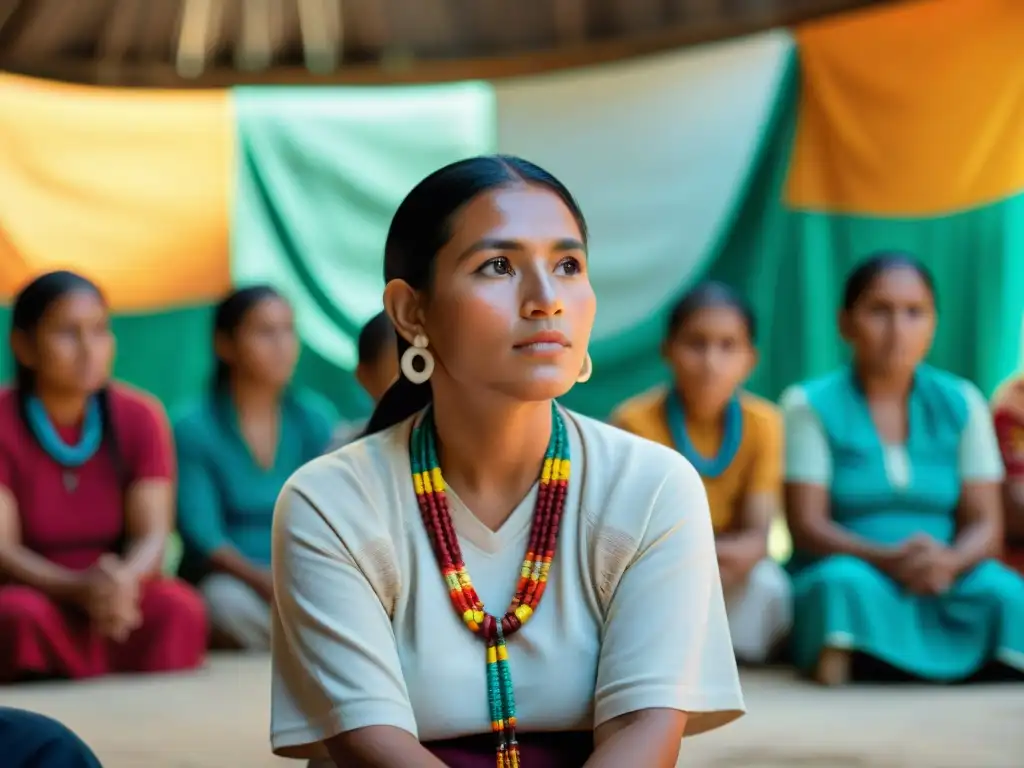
(902, 487)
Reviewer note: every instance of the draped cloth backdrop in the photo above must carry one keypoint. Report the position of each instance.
(772, 162)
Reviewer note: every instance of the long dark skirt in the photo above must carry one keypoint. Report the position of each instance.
(538, 750)
(30, 740)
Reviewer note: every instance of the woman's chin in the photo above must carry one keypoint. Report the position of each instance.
(544, 385)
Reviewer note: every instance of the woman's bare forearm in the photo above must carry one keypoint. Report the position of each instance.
(23, 566)
(145, 556)
(380, 746)
(149, 518)
(975, 542)
(649, 738)
(229, 560)
(823, 537)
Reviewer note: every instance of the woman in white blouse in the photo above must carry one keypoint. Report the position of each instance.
(629, 649)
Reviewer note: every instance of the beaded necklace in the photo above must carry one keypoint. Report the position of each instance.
(66, 455)
(707, 467)
(433, 503)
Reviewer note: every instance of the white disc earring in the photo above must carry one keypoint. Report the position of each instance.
(587, 372)
(418, 350)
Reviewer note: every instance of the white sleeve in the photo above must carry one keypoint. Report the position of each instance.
(980, 458)
(335, 661)
(808, 455)
(666, 640)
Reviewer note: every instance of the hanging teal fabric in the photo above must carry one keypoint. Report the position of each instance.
(320, 173)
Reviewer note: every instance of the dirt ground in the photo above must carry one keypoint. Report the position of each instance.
(217, 718)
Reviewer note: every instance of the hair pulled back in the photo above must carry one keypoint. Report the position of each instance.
(708, 295)
(376, 337)
(864, 274)
(422, 226)
(30, 306)
(227, 318)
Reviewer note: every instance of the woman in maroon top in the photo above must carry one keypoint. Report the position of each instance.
(86, 500)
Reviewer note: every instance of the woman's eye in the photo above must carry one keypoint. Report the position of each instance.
(570, 266)
(498, 266)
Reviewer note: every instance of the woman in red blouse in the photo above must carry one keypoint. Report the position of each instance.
(86, 500)
(1008, 409)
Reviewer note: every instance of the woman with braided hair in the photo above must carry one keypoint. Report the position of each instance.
(395, 557)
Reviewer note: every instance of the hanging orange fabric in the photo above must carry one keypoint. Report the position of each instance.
(129, 187)
(911, 110)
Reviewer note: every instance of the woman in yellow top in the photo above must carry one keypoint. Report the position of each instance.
(734, 440)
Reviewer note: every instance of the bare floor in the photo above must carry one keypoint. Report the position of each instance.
(217, 718)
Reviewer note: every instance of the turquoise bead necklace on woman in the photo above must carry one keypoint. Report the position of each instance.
(69, 457)
(706, 466)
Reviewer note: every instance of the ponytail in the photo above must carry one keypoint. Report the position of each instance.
(402, 400)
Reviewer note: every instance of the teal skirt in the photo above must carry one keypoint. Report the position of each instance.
(843, 602)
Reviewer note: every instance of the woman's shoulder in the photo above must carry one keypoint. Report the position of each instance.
(605, 444)
(356, 484)
(948, 395)
(1007, 402)
(760, 412)
(641, 407)
(129, 399)
(8, 405)
(12, 432)
(136, 413)
(818, 390)
(937, 378)
(194, 419)
(628, 477)
(1009, 389)
(314, 406)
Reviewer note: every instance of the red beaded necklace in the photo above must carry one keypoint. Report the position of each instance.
(433, 503)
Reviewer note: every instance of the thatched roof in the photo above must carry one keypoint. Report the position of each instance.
(207, 43)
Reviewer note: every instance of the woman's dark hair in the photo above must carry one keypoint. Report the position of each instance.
(420, 228)
(708, 295)
(30, 305)
(228, 316)
(867, 271)
(377, 337)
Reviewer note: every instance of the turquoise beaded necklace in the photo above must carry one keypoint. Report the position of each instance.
(731, 438)
(51, 441)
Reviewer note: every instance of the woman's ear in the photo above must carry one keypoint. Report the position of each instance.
(23, 349)
(665, 350)
(222, 347)
(403, 305)
(755, 358)
(843, 323)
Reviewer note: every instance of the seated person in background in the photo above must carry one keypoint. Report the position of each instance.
(236, 448)
(376, 371)
(1008, 414)
(734, 440)
(86, 503)
(893, 498)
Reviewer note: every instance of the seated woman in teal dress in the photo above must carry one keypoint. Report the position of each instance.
(236, 448)
(893, 498)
